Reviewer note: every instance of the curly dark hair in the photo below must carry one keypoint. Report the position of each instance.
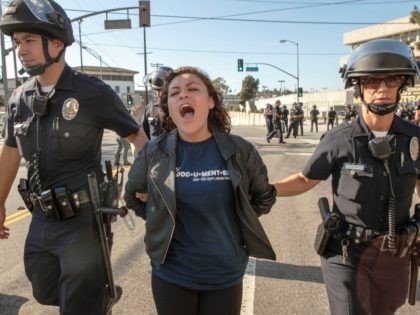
(218, 118)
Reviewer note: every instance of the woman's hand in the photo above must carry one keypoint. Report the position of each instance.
(142, 196)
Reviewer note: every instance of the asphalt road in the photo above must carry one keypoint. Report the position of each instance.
(291, 285)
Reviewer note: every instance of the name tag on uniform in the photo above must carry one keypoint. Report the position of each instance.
(359, 169)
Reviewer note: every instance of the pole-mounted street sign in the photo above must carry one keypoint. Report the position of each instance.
(251, 68)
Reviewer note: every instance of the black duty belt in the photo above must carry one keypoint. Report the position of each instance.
(360, 234)
(60, 203)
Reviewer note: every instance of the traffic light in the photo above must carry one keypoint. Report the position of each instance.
(300, 92)
(240, 65)
(129, 100)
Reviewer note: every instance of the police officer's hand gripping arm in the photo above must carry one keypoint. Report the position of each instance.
(9, 165)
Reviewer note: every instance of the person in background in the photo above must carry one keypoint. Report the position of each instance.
(151, 119)
(349, 113)
(123, 145)
(201, 191)
(55, 121)
(375, 169)
(295, 115)
(277, 122)
(268, 115)
(407, 113)
(314, 113)
(301, 118)
(332, 114)
(285, 117)
(417, 114)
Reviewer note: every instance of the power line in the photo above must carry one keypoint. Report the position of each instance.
(225, 52)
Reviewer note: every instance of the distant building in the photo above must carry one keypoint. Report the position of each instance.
(119, 79)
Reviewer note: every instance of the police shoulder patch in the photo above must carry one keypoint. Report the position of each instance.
(414, 148)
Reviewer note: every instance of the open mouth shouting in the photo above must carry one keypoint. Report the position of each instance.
(186, 111)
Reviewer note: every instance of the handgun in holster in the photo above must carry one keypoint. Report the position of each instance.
(25, 193)
(330, 225)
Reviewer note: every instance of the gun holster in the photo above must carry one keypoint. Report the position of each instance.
(24, 191)
(330, 225)
(406, 237)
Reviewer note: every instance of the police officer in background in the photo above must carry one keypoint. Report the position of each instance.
(268, 116)
(314, 118)
(296, 114)
(301, 117)
(375, 168)
(55, 121)
(349, 113)
(285, 117)
(332, 114)
(277, 123)
(151, 121)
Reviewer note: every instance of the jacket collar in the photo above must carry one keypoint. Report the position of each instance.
(65, 81)
(224, 142)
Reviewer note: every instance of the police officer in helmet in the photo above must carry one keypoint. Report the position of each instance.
(151, 122)
(375, 169)
(55, 121)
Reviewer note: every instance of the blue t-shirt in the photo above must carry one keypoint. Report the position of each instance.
(206, 251)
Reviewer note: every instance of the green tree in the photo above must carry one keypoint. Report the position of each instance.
(415, 19)
(415, 16)
(249, 88)
(220, 85)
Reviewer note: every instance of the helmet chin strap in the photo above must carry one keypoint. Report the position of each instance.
(380, 110)
(40, 69)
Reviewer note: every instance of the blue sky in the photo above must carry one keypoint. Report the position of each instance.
(215, 45)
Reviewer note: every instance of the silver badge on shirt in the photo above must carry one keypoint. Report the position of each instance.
(70, 108)
(414, 148)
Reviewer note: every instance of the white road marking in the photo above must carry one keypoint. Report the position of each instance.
(249, 288)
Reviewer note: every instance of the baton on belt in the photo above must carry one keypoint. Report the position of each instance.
(414, 261)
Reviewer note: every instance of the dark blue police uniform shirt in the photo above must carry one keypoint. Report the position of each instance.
(360, 182)
(70, 149)
(206, 251)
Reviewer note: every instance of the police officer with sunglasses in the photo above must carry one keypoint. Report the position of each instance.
(375, 169)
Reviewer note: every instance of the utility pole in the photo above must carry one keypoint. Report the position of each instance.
(144, 21)
(81, 45)
(3, 64)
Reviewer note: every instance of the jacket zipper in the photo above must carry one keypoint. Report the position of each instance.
(170, 213)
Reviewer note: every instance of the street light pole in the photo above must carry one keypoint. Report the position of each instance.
(281, 85)
(297, 64)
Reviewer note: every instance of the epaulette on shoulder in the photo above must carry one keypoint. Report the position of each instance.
(89, 79)
(340, 128)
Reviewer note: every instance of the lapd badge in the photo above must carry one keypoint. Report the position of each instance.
(70, 108)
(414, 148)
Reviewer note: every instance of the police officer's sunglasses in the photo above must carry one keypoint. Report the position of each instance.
(374, 83)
